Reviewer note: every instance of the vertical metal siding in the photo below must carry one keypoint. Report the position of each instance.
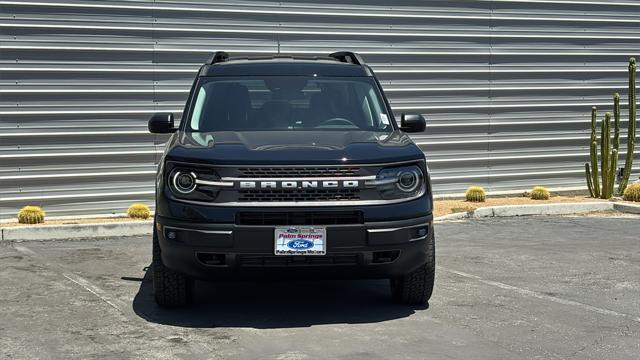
(506, 85)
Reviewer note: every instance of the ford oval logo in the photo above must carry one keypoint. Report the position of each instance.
(300, 244)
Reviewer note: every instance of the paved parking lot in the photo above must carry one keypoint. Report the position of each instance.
(521, 288)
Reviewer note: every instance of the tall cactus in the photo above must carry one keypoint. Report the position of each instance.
(609, 149)
(594, 184)
(613, 167)
(608, 156)
(605, 152)
(631, 133)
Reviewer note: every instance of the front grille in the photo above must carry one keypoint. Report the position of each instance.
(297, 172)
(299, 195)
(299, 218)
(276, 261)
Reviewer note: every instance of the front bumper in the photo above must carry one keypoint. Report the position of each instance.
(369, 250)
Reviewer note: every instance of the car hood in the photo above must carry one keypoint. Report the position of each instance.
(292, 147)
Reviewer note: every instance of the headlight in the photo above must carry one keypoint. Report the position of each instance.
(409, 180)
(183, 182)
(401, 182)
(193, 183)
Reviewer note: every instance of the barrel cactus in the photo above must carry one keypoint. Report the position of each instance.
(31, 215)
(632, 192)
(139, 211)
(540, 193)
(475, 194)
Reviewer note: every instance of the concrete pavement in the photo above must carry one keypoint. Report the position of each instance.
(513, 288)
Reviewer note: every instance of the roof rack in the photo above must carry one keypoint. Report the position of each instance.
(218, 57)
(347, 57)
(341, 56)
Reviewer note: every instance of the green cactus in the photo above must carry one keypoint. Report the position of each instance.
(475, 194)
(609, 149)
(540, 193)
(587, 170)
(592, 172)
(607, 158)
(31, 215)
(631, 133)
(613, 167)
(632, 192)
(605, 152)
(139, 211)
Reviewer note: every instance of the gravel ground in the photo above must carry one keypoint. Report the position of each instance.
(520, 288)
(445, 207)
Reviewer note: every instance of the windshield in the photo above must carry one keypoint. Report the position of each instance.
(288, 103)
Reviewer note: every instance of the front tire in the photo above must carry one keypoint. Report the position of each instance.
(416, 287)
(171, 289)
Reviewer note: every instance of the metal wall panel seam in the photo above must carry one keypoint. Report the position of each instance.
(309, 52)
(77, 196)
(377, 70)
(218, 9)
(386, 90)
(344, 32)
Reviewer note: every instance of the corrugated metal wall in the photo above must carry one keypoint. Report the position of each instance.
(506, 85)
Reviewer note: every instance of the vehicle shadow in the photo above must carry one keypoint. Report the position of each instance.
(276, 304)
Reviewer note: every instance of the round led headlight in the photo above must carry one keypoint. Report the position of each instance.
(400, 182)
(183, 182)
(408, 181)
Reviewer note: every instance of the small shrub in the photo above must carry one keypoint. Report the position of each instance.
(475, 194)
(139, 211)
(31, 215)
(632, 192)
(540, 193)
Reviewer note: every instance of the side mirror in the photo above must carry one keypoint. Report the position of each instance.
(161, 123)
(412, 123)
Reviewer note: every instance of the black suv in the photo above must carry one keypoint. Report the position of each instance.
(295, 167)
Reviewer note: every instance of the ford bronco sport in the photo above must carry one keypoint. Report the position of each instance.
(293, 165)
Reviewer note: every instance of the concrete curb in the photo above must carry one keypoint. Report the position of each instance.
(627, 208)
(139, 228)
(454, 216)
(542, 209)
(76, 231)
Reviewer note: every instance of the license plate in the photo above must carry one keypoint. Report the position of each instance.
(300, 240)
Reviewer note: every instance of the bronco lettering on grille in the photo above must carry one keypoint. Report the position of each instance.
(325, 184)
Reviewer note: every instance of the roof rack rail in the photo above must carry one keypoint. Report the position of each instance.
(218, 57)
(347, 57)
